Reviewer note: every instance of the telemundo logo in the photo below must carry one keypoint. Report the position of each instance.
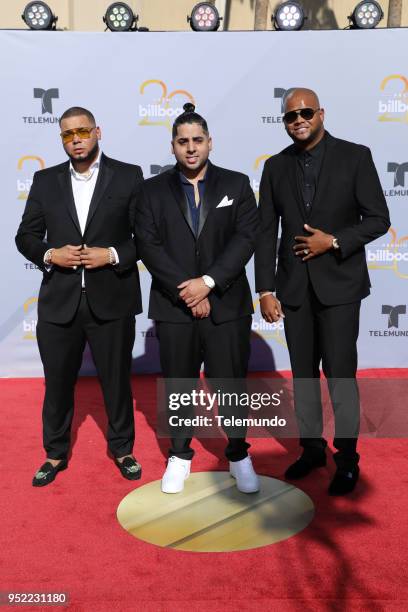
(46, 97)
(394, 314)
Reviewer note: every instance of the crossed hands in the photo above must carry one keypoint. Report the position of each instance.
(194, 293)
(70, 256)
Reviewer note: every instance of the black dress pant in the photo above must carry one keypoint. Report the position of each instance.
(61, 349)
(223, 348)
(328, 334)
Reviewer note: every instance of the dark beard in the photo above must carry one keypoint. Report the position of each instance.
(93, 153)
(303, 143)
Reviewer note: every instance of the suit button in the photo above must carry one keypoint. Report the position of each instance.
(197, 252)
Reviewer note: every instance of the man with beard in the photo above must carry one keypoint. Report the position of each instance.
(326, 194)
(196, 226)
(77, 227)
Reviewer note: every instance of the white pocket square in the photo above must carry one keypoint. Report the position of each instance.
(225, 202)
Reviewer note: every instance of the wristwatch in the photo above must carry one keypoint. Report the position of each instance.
(48, 257)
(208, 281)
(335, 244)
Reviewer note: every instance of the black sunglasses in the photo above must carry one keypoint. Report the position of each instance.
(305, 113)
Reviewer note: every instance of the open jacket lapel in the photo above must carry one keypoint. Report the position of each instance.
(177, 189)
(64, 179)
(294, 182)
(324, 175)
(210, 195)
(104, 177)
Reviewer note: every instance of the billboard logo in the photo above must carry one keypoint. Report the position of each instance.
(29, 324)
(268, 331)
(24, 181)
(278, 94)
(162, 107)
(390, 256)
(393, 313)
(46, 96)
(393, 103)
(258, 167)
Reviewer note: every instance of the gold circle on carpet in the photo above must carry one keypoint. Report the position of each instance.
(211, 515)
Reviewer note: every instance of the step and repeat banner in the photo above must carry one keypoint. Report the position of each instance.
(136, 83)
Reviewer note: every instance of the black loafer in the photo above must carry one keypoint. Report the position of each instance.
(129, 468)
(344, 481)
(304, 465)
(48, 472)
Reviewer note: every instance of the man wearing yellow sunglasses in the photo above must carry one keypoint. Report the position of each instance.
(77, 228)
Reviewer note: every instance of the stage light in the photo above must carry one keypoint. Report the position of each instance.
(204, 18)
(119, 17)
(289, 16)
(39, 16)
(366, 15)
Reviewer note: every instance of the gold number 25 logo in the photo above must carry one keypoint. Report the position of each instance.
(163, 102)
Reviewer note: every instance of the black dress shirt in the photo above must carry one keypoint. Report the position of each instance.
(188, 189)
(309, 164)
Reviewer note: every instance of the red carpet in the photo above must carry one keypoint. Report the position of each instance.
(65, 537)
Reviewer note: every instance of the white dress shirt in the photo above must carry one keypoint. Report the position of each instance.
(83, 187)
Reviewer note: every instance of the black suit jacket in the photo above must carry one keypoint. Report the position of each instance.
(50, 220)
(349, 204)
(224, 244)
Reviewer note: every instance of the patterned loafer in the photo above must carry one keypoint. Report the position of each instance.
(130, 468)
(48, 472)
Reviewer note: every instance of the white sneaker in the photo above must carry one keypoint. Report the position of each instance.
(177, 471)
(244, 474)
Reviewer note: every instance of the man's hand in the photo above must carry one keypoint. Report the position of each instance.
(94, 257)
(271, 308)
(316, 244)
(193, 291)
(67, 256)
(202, 310)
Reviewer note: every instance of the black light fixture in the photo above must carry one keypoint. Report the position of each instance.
(289, 16)
(366, 15)
(39, 16)
(204, 18)
(119, 17)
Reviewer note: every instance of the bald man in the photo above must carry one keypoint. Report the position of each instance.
(327, 196)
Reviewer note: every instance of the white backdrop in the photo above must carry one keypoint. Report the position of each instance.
(136, 84)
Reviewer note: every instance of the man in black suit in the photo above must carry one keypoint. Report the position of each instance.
(196, 226)
(77, 227)
(326, 194)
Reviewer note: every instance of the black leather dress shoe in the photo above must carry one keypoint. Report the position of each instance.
(48, 472)
(344, 481)
(304, 465)
(130, 468)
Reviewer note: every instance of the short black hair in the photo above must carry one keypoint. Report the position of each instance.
(189, 116)
(77, 111)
